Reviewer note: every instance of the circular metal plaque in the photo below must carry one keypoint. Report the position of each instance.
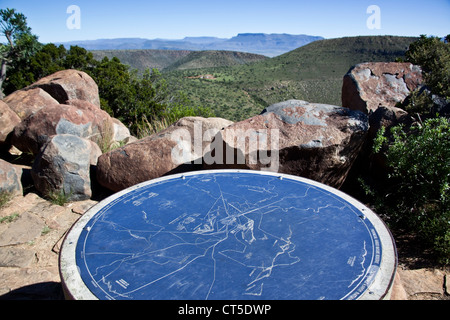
(228, 235)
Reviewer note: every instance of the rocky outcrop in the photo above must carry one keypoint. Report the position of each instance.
(173, 150)
(377, 89)
(367, 86)
(63, 167)
(58, 120)
(296, 137)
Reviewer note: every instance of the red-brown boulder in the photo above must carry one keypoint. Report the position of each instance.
(315, 141)
(8, 121)
(176, 149)
(70, 85)
(366, 86)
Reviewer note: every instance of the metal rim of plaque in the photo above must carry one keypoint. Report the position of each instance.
(375, 284)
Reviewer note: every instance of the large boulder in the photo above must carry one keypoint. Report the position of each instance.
(80, 118)
(176, 149)
(69, 85)
(8, 121)
(366, 86)
(28, 101)
(371, 166)
(316, 141)
(9, 179)
(63, 166)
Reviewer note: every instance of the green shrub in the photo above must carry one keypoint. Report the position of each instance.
(419, 194)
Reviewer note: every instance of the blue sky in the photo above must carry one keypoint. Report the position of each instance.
(175, 19)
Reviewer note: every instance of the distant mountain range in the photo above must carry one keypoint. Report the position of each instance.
(269, 45)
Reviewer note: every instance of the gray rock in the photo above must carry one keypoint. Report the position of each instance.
(77, 117)
(120, 131)
(64, 166)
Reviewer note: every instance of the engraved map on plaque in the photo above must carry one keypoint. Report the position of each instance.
(229, 235)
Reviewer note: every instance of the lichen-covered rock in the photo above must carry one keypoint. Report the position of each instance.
(316, 141)
(83, 120)
(63, 166)
(366, 86)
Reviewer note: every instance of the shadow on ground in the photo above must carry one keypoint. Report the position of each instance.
(38, 291)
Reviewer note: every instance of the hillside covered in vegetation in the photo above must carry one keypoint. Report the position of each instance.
(170, 60)
(313, 73)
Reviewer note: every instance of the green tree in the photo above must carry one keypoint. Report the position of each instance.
(80, 59)
(21, 44)
(419, 193)
(46, 61)
(113, 80)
